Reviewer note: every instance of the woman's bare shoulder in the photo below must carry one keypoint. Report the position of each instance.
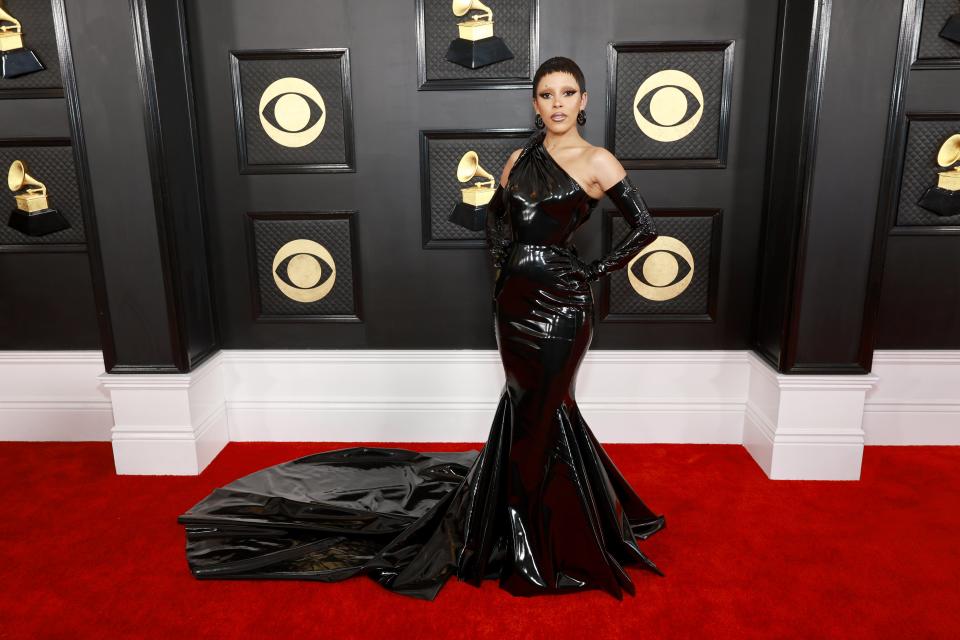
(508, 165)
(606, 168)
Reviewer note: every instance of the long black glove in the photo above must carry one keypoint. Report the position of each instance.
(627, 199)
(498, 236)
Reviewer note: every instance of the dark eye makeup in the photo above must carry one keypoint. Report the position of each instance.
(544, 95)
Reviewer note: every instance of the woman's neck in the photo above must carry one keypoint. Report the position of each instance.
(571, 138)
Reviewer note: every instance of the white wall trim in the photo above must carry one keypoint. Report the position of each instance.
(168, 424)
(705, 397)
(53, 396)
(451, 396)
(917, 401)
(805, 427)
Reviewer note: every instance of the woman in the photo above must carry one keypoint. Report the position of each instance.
(541, 507)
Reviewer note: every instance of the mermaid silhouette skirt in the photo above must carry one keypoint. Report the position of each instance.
(541, 507)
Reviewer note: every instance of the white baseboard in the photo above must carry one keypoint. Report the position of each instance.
(168, 424)
(450, 396)
(917, 401)
(53, 396)
(805, 427)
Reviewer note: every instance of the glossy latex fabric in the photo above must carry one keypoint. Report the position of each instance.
(541, 507)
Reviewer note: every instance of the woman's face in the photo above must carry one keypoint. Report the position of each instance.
(559, 100)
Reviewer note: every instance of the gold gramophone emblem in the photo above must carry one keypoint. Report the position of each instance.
(32, 199)
(943, 198)
(33, 215)
(17, 60)
(11, 33)
(476, 45)
(477, 26)
(469, 168)
(949, 156)
(471, 211)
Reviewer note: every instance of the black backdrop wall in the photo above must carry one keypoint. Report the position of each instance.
(440, 298)
(46, 289)
(416, 297)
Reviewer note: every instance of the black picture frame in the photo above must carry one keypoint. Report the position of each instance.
(43, 246)
(254, 277)
(917, 28)
(893, 175)
(716, 234)
(719, 161)
(426, 203)
(57, 38)
(245, 167)
(468, 81)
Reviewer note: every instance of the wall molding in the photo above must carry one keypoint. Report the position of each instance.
(168, 424)
(450, 396)
(53, 396)
(807, 427)
(707, 397)
(916, 402)
(71, 95)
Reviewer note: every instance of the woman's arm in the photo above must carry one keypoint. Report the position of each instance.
(498, 236)
(617, 185)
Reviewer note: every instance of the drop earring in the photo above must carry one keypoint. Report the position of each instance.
(538, 121)
(582, 117)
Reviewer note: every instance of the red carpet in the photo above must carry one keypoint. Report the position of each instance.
(86, 553)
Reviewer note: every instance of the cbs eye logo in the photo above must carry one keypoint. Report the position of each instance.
(659, 274)
(668, 105)
(292, 112)
(304, 270)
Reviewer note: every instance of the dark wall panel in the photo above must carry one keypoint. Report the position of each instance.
(849, 160)
(786, 167)
(113, 122)
(46, 298)
(920, 302)
(917, 271)
(47, 302)
(441, 298)
(33, 118)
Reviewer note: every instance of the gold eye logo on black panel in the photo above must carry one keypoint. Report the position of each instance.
(304, 270)
(668, 105)
(664, 269)
(292, 112)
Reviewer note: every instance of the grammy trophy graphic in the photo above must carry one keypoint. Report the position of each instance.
(17, 59)
(471, 211)
(33, 215)
(476, 45)
(943, 198)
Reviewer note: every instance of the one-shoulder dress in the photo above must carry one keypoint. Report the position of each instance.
(541, 507)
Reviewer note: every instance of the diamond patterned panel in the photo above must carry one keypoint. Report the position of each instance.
(443, 156)
(332, 233)
(920, 168)
(511, 22)
(53, 166)
(36, 18)
(695, 232)
(322, 73)
(935, 15)
(633, 67)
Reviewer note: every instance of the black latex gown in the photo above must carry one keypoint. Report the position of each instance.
(541, 507)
